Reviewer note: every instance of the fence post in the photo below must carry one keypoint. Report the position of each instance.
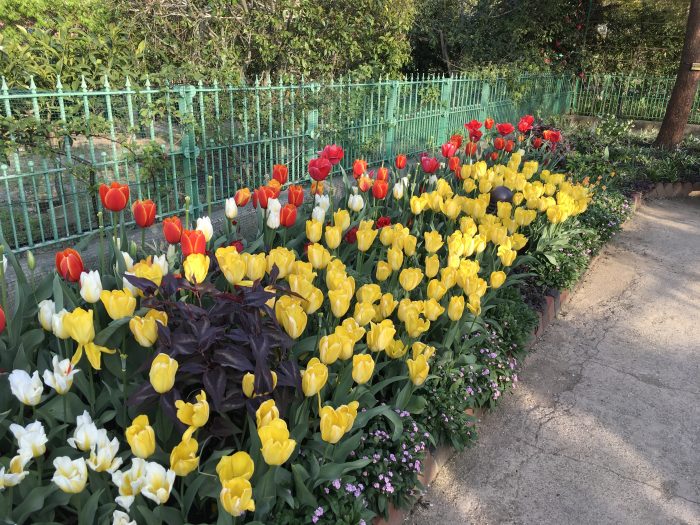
(445, 104)
(574, 99)
(311, 133)
(485, 97)
(391, 120)
(189, 145)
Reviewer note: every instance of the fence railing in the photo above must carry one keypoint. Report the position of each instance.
(627, 96)
(170, 141)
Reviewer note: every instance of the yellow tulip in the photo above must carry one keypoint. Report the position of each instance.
(497, 279)
(383, 270)
(347, 340)
(266, 413)
(336, 423)
(386, 236)
(314, 378)
(248, 385)
(333, 236)
(158, 316)
(291, 316)
(314, 230)
(339, 301)
(236, 496)
(276, 445)
(474, 304)
(396, 349)
(196, 267)
(409, 278)
(141, 437)
(146, 269)
(183, 456)
(341, 219)
(432, 266)
(283, 258)
(417, 205)
(364, 312)
(329, 348)
(506, 255)
(362, 368)
(380, 335)
(238, 465)
(365, 238)
(518, 241)
(415, 325)
(318, 256)
(387, 304)
(256, 265)
(79, 326)
(419, 348)
(194, 414)
(433, 310)
(395, 258)
(118, 303)
(304, 269)
(436, 290)
(504, 210)
(418, 370)
(353, 329)
(232, 265)
(455, 309)
(144, 330)
(408, 244)
(162, 373)
(433, 241)
(451, 208)
(313, 297)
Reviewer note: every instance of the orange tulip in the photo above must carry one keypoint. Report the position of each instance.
(144, 212)
(192, 241)
(242, 197)
(280, 173)
(69, 265)
(115, 196)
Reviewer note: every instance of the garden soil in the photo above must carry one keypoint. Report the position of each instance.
(604, 426)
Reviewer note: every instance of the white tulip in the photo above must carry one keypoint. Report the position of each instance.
(432, 179)
(356, 202)
(204, 226)
(161, 261)
(230, 208)
(398, 190)
(158, 483)
(126, 285)
(404, 181)
(16, 473)
(46, 310)
(90, 286)
(85, 433)
(273, 205)
(323, 201)
(57, 324)
(4, 265)
(128, 261)
(273, 219)
(31, 439)
(71, 474)
(61, 379)
(129, 482)
(318, 214)
(121, 518)
(26, 388)
(103, 453)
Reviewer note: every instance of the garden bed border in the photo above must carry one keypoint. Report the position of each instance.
(553, 302)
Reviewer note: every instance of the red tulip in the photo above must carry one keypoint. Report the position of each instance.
(470, 149)
(172, 229)
(383, 221)
(2, 320)
(453, 163)
(351, 235)
(537, 143)
(295, 195)
(525, 123)
(69, 265)
(488, 123)
(475, 135)
(144, 212)
(448, 150)
(115, 196)
(499, 143)
(261, 196)
(358, 168)
(400, 162)
(494, 156)
(288, 215)
(192, 241)
(380, 188)
(510, 145)
(319, 168)
(242, 197)
(364, 183)
(429, 164)
(505, 128)
(238, 245)
(551, 135)
(475, 125)
(456, 139)
(280, 173)
(382, 173)
(333, 153)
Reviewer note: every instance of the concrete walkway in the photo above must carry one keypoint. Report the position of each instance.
(605, 425)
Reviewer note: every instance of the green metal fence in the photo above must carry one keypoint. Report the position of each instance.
(627, 96)
(170, 141)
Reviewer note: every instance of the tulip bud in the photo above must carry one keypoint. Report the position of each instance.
(230, 208)
(362, 368)
(162, 374)
(90, 286)
(31, 261)
(318, 214)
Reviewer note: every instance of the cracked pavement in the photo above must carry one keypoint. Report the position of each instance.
(604, 426)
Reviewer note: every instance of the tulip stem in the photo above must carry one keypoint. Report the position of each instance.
(123, 359)
(100, 219)
(143, 241)
(92, 390)
(65, 416)
(114, 230)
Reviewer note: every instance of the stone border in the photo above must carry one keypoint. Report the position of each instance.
(667, 190)
(554, 301)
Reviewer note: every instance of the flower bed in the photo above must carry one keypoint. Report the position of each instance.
(302, 376)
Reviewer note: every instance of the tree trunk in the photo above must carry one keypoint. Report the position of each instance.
(683, 94)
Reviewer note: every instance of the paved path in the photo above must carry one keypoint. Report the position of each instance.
(605, 426)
